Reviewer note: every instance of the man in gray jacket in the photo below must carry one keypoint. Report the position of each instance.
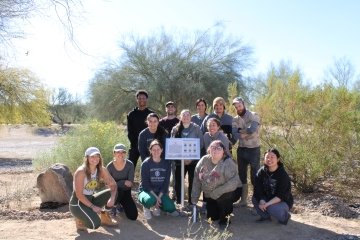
(246, 129)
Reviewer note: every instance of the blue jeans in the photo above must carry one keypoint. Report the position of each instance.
(279, 211)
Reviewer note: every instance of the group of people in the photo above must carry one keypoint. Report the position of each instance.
(216, 176)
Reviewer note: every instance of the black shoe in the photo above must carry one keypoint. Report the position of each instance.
(285, 222)
(262, 219)
(223, 224)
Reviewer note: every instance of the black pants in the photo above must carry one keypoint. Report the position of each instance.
(246, 157)
(134, 154)
(125, 199)
(189, 169)
(222, 207)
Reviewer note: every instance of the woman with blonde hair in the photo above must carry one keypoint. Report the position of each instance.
(89, 198)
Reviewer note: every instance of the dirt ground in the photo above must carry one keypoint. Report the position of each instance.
(21, 218)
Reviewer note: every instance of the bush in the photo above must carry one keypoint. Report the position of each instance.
(70, 149)
(316, 130)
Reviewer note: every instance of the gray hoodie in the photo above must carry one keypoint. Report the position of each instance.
(214, 179)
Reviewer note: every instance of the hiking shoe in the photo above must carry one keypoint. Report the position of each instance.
(147, 213)
(106, 219)
(156, 212)
(80, 225)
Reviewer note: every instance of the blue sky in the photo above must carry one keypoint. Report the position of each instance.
(310, 34)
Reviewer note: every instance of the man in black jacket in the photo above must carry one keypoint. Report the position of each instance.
(136, 123)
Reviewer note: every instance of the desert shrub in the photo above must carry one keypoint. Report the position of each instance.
(316, 130)
(71, 147)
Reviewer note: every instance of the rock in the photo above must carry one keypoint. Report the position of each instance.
(55, 184)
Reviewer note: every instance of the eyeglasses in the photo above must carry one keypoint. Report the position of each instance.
(217, 148)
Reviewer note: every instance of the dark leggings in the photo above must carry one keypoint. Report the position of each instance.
(125, 199)
(134, 154)
(90, 218)
(189, 169)
(222, 207)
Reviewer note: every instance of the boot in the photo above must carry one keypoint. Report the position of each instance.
(80, 225)
(244, 194)
(106, 220)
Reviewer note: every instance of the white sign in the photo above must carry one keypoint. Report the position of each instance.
(182, 148)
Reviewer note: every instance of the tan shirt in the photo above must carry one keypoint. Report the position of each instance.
(248, 140)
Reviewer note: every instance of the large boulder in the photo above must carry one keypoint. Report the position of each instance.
(55, 184)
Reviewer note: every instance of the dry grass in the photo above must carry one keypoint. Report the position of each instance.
(18, 191)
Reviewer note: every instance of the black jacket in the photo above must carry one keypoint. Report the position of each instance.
(273, 184)
(136, 123)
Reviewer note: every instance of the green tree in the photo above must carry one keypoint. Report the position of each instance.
(22, 98)
(65, 108)
(178, 68)
(317, 130)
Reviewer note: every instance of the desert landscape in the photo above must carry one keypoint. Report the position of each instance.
(315, 216)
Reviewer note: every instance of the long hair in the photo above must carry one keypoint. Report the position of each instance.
(87, 167)
(180, 126)
(160, 131)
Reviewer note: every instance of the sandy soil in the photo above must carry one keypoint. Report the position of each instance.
(21, 218)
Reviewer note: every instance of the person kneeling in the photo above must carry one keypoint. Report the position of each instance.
(217, 176)
(272, 190)
(86, 202)
(154, 186)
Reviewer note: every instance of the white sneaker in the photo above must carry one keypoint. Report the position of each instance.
(156, 212)
(147, 213)
(174, 213)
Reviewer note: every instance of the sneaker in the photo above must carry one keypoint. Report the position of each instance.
(119, 208)
(156, 212)
(113, 211)
(147, 214)
(174, 213)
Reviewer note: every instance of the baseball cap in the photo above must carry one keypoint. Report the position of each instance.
(119, 148)
(238, 100)
(91, 151)
(170, 103)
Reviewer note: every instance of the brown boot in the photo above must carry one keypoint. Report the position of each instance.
(80, 225)
(106, 220)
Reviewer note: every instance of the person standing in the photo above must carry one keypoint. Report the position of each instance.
(224, 118)
(201, 107)
(246, 129)
(136, 123)
(272, 190)
(170, 120)
(122, 170)
(186, 129)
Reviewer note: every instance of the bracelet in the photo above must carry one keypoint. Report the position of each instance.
(91, 206)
